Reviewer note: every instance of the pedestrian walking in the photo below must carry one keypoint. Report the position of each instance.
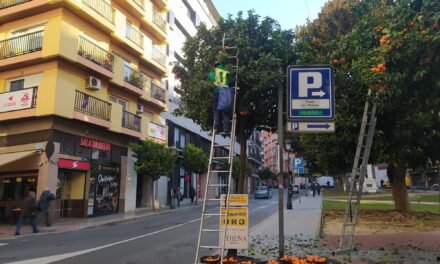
(381, 183)
(313, 188)
(177, 195)
(28, 212)
(318, 188)
(44, 204)
(192, 194)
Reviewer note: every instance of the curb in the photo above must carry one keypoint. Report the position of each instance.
(79, 226)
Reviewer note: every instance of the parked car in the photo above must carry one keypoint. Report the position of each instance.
(435, 187)
(263, 192)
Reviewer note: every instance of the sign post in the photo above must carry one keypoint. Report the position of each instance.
(310, 99)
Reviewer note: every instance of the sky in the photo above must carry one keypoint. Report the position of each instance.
(289, 13)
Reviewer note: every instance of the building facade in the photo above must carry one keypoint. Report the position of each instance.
(183, 18)
(79, 81)
(255, 159)
(270, 150)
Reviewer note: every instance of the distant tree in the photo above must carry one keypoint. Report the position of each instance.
(266, 174)
(153, 160)
(195, 160)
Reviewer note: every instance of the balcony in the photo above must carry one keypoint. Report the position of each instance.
(139, 3)
(158, 92)
(134, 35)
(20, 45)
(92, 106)
(133, 77)
(102, 8)
(158, 56)
(18, 104)
(159, 21)
(9, 3)
(95, 54)
(131, 121)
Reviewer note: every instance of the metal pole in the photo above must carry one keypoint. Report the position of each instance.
(280, 174)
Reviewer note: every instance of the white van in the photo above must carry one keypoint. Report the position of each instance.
(323, 180)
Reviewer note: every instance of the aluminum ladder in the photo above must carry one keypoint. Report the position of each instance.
(219, 233)
(358, 174)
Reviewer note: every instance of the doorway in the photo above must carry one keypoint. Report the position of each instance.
(70, 193)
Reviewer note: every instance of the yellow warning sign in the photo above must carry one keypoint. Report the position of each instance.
(235, 199)
(236, 217)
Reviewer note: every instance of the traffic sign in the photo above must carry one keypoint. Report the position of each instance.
(298, 165)
(310, 91)
(300, 127)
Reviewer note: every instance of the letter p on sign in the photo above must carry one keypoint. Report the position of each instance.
(297, 163)
(308, 80)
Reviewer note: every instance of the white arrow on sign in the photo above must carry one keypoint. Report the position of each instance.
(321, 93)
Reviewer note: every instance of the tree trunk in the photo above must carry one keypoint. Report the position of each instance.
(243, 158)
(149, 195)
(400, 194)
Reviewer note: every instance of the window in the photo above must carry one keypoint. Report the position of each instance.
(120, 101)
(17, 187)
(16, 85)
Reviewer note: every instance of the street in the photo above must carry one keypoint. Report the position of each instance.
(163, 238)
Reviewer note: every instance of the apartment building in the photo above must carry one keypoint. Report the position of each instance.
(79, 81)
(255, 159)
(270, 149)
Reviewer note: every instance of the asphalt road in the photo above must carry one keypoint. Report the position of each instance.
(166, 238)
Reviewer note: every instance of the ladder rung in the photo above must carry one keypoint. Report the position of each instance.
(218, 185)
(228, 48)
(232, 57)
(215, 199)
(220, 157)
(220, 171)
(221, 145)
(214, 214)
(201, 246)
(212, 230)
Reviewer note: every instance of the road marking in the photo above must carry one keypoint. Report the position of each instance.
(3, 244)
(50, 259)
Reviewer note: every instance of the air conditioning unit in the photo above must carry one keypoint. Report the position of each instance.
(94, 83)
(140, 108)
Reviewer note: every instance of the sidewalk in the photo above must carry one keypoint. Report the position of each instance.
(73, 224)
(301, 228)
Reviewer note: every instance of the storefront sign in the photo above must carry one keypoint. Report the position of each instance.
(157, 131)
(93, 143)
(104, 178)
(17, 100)
(237, 225)
(73, 164)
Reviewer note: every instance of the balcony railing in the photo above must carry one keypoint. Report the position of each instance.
(21, 45)
(134, 35)
(159, 21)
(133, 77)
(103, 9)
(131, 121)
(19, 99)
(139, 3)
(159, 56)
(157, 92)
(96, 54)
(9, 3)
(93, 106)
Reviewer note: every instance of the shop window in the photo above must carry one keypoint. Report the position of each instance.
(16, 188)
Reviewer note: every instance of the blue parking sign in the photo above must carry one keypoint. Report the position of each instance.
(310, 91)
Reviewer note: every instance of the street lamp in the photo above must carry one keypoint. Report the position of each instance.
(288, 147)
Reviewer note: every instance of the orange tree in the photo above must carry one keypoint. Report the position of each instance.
(393, 49)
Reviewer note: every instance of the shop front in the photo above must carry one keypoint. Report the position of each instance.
(70, 193)
(103, 196)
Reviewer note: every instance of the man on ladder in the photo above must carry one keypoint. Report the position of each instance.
(223, 98)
